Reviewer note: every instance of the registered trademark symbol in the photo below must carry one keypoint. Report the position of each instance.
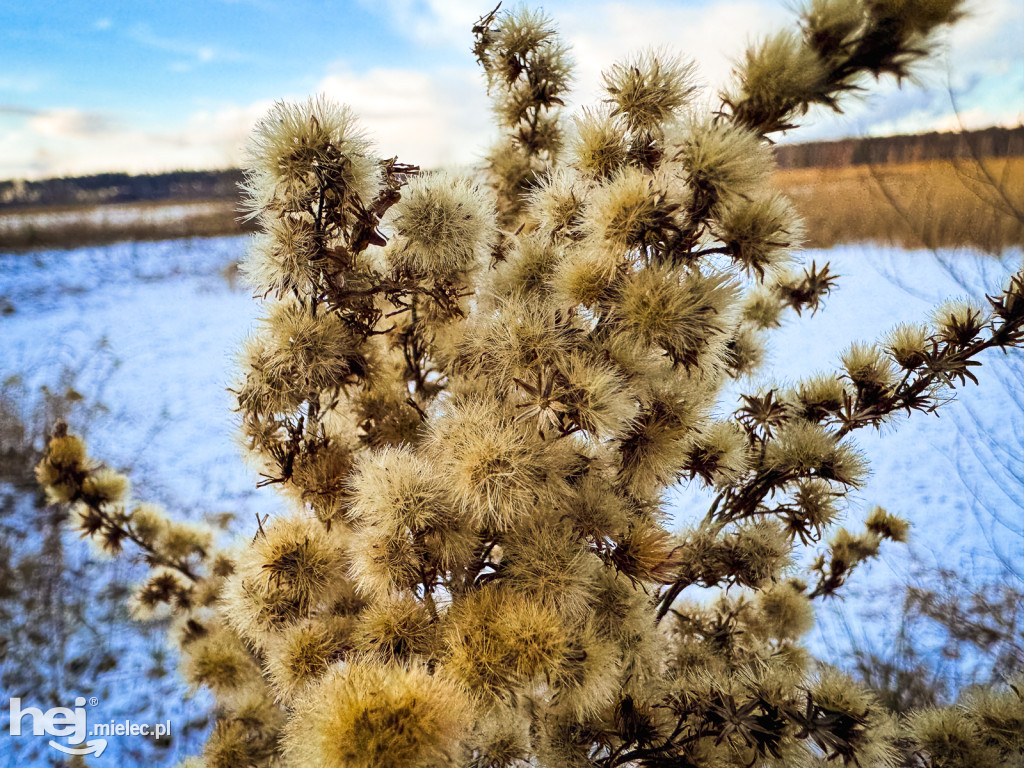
(93, 701)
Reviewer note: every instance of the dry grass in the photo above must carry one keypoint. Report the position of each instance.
(75, 226)
(933, 204)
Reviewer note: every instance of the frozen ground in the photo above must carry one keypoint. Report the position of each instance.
(150, 329)
(923, 467)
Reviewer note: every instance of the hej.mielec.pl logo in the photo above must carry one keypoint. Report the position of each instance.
(72, 724)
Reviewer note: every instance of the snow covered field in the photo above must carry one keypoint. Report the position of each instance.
(108, 215)
(151, 329)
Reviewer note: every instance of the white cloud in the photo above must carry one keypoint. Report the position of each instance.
(972, 119)
(63, 123)
(426, 119)
(432, 23)
(66, 142)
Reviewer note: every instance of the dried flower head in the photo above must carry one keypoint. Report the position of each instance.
(299, 148)
(443, 225)
(369, 714)
(650, 89)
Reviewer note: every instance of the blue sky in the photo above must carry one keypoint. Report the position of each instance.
(153, 85)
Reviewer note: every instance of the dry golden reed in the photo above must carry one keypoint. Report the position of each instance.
(932, 204)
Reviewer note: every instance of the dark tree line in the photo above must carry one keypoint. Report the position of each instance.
(990, 142)
(102, 188)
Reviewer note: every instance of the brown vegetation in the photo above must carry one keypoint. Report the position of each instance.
(76, 226)
(933, 204)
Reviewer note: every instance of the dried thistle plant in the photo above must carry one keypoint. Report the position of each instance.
(474, 401)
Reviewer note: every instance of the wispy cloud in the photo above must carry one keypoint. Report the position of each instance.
(430, 23)
(71, 123)
(64, 142)
(14, 110)
(22, 83)
(431, 119)
(192, 54)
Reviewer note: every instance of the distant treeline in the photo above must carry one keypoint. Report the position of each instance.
(183, 186)
(177, 186)
(990, 142)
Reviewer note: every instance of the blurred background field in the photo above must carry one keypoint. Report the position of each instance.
(928, 191)
(925, 204)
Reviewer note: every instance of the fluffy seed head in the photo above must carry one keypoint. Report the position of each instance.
(949, 737)
(556, 204)
(589, 680)
(906, 343)
(959, 322)
(599, 148)
(319, 479)
(233, 743)
(649, 90)
(784, 612)
(816, 501)
(654, 448)
(495, 467)
(291, 567)
(283, 260)
(760, 231)
(547, 563)
(719, 453)
(220, 661)
(869, 367)
(777, 79)
(628, 210)
(887, 525)
(755, 552)
(804, 447)
(368, 714)
(762, 308)
(443, 225)
(105, 486)
(682, 312)
(395, 628)
(746, 351)
(722, 159)
(526, 269)
(514, 341)
(497, 639)
(296, 355)
(396, 487)
(298, 147)
(918, 16)
(817, 396)
(597, 397)
(301, 653)
(583, 277)
(595, 511)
